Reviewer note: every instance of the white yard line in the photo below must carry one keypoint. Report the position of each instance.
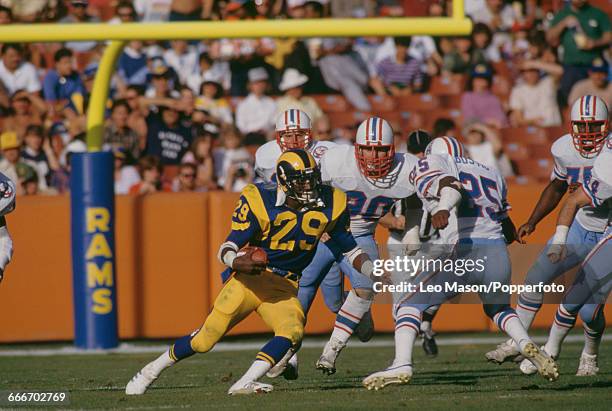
(129, 348)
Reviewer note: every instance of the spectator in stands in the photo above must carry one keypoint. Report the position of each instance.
(6, 15)
(15, 73)
(161, 84)
(38, 155)
(209, 68)
(234, 163)
(256, 113)
(343, 72)
(461, 58)
(483, 49)
(26, 109)
(444, 127)
(189, 10)
(167, 139)
(499, 16)
(597, 84)
(29, 180)
(201, 155)
(211, 100)
(484, 145)
(11, 158)
(292, 85)
(150, 170)
(118, 134)
(182, 58)
(77, 13)
(185, 180)
(322, 129)
(534, 101)
(136, 118)
(62, 86)
(400, 74)
(132, 65)
(584, 32)
(124, 13)
(126, 175)
(478, 103)
(152, 10)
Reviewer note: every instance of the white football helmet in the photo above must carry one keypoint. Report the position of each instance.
(589, 125)
(374, 148)
(445, 145)
(293, 130)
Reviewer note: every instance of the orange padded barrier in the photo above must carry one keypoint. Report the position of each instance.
(167, 269)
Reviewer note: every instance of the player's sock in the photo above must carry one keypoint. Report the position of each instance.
(507, 321)
(407, 325)
(593, 331)
(427, 318)
(528, 306)
(563, 323)
(349, 316)
(269, 355)
(181, 348)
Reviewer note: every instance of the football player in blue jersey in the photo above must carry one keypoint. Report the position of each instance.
(287, 223)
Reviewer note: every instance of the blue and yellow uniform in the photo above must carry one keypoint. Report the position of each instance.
(290, 239)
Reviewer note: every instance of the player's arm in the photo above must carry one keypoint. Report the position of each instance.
(342, 239)
(7, 204)
(548, 201)
(245, 226)
(576, 200)
(449, 193)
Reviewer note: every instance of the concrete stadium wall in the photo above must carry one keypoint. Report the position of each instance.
(168, 273)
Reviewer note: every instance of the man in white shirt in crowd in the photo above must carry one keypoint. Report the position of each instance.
(256, 113)
(15, 73)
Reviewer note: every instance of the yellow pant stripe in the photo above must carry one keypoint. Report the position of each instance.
(172, 356)
(265, 357)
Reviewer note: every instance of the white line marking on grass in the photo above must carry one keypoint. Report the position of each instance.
(129, 348)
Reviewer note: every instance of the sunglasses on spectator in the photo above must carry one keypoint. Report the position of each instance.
(188, 175)
(326, 131)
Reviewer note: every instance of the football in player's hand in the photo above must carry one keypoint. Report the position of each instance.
(250, 260)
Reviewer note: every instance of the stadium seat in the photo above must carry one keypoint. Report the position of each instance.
(536, 168)
(331, 103)
(527, 135)
(451, 101)
(447, 85)
(516, 151)
(501, 69)
(419, 102)
(539, 151)
(554, 133)
(412, 120)
(521, 180)
(170, 172)
(346, 118)
(451, 113)
(382, 103)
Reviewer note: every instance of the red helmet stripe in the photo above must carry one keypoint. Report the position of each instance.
(298, 118)
(380, 124)
(594, 114)
(367, 136)
(581, 106)
(286, 118)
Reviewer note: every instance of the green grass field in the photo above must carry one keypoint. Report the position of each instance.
(458, 378)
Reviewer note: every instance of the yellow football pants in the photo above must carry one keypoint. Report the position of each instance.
(273, 297)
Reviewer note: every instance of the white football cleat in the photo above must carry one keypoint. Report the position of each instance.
(538, 360)
(400, 374)
(505, 351)
(588, 365)
(250, 387)
(141, 381)
(327, 360)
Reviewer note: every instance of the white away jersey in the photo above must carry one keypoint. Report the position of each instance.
(7, 195)
(599, 188)
(368, 200)
(481, 210)
(571, 167)
(266, 156)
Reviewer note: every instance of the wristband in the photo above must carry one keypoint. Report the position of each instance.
(560, 236)
(449, 198)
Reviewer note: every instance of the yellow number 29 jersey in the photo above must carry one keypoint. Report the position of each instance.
(289, 236)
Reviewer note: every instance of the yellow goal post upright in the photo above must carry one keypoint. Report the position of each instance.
(92, 205)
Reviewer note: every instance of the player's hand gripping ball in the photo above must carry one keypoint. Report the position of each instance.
(250, 260)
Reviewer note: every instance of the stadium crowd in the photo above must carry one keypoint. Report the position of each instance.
(189, 115)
